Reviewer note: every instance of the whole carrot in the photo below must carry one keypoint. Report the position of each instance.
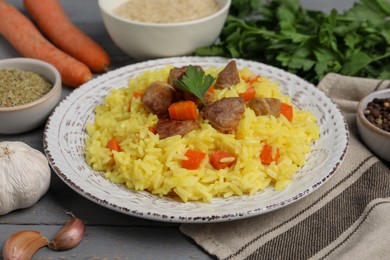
(56, 25)
(29, 42)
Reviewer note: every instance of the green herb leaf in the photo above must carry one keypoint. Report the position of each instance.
(195, 82)
(308, 43)
(242, 8)
(355, 63)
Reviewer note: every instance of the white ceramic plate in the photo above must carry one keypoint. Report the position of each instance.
(65, 133)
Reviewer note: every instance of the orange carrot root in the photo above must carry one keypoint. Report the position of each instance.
(56, 25)
(29, 42)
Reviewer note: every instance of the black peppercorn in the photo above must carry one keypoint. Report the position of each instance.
(377, 113)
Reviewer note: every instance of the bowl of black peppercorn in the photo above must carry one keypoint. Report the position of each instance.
(373, 122)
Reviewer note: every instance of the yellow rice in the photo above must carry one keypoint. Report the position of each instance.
(147, 163)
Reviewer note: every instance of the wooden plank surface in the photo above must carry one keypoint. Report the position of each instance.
(117, 242)
(109, 234)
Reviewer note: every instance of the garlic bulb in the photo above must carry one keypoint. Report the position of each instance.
(24, 176)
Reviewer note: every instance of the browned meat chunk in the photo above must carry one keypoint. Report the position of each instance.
(167, 127)
(265, 106)
(178, 73)
(229, 76)
(158, 97)
(225, 114)
(208, 97)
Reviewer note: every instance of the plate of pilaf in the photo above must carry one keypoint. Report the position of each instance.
(252, 144)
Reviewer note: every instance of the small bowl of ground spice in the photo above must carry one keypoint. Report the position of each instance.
(29, 91)
(373, 122)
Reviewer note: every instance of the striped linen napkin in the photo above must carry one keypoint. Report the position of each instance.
(346, 218)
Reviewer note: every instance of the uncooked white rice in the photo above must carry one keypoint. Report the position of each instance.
(166, 11)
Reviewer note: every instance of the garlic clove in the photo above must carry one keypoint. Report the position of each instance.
(23, 244)
(69, 236)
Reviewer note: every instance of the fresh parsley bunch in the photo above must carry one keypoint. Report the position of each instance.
(309, 43)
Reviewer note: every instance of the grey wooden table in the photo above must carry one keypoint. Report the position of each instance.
(109, 234)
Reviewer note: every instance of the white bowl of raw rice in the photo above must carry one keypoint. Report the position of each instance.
(146, 29)
(145, 177)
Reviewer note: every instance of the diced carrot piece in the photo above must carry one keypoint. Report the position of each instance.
(287, 111)
(194, 160)
(252, 79)
(248, 94)
(183, 110)
(137, 94)
(211, 89)
(269, 154)
(221, 159)
(152, 129)
(113, 145)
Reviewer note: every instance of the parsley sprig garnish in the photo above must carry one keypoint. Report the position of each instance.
(195, 82)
